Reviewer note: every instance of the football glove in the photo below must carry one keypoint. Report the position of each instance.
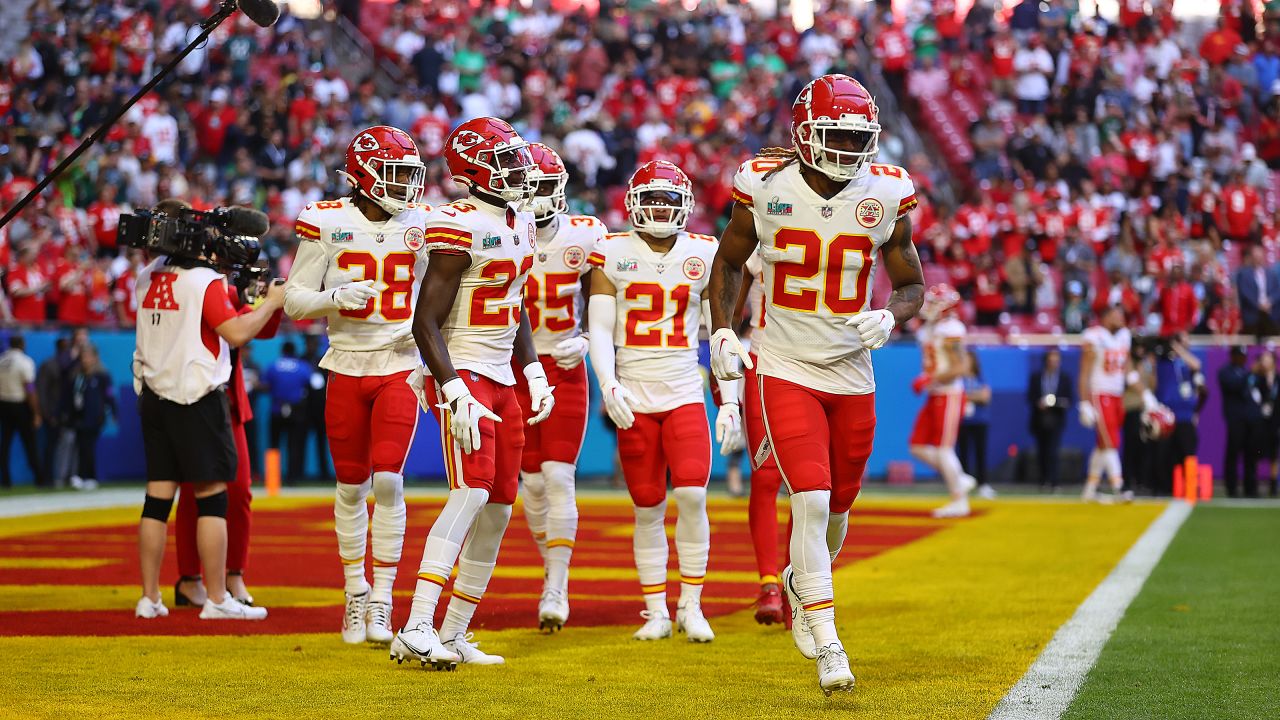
(873, 326)
(540, 398)
(617, 403)
(729, 429)
(568, 353)
(921, 382)
(465, 414)
(727, 352)
(354, 295)
(1088, 416)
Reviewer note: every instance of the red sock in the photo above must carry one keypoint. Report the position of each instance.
(184, 531)
(239, 496)
(762, 517)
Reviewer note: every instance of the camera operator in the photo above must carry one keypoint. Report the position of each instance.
(1180, 387)
(182, 364)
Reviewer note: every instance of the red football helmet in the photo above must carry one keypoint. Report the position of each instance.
(938, 301)
(835, 126)
(549, 179)
(1157, 422)
(659, 199)
(384, 165)
(488, 155)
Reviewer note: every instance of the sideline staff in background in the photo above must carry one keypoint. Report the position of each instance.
(186, 328)
(1179, 387)
(19, 409)
(1049, 393)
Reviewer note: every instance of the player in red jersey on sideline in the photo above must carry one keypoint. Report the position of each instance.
(823, 216)
(554, 298)
(357, 264)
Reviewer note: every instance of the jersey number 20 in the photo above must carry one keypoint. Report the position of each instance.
(812, 262)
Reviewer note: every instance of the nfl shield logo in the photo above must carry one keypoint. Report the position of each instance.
(827, 212)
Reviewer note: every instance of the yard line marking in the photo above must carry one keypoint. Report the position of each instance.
(1051, 683)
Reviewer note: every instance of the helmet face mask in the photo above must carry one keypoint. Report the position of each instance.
(511, 171)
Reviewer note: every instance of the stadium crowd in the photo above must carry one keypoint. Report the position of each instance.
(1122, 162)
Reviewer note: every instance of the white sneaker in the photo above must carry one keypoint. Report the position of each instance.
(470, 654)
(148, 610)
(421, 643)
(953, 509)
(657, 625)
(231, 609)
(800, 632)
(691, 622)
(986, 492)
(1090, 494)
(833, 669)
(377, 622)
(553, 610)
(968, 483)
(1126, 496)
(354, 630)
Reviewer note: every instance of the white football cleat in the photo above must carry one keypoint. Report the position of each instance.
(1126, 496)
(833, 669)
(354, 630)
(953, 509)
(464, 648)
(657, 625)
(691, 622)
(1090, 494)
(231, 609)
(553, 610)
(968, 483)
(148, 610)
(800, 632)
(377, 623)
(986, 492)
(421, 643)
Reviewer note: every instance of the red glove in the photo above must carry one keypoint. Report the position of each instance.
(920, 383)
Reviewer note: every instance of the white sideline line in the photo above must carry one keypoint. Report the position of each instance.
(1050, 684)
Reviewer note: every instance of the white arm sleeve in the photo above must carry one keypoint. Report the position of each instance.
(304, 297)
(602, 315)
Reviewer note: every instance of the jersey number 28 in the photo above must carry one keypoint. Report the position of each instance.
(397, 275)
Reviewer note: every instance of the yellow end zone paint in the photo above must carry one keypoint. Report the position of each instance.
(939, 628)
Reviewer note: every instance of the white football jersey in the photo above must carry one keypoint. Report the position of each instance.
(659, 315)
(481, 329)
(340, 245)
(819, 259)
(1112, 353)
(934, 338)
(553, 292)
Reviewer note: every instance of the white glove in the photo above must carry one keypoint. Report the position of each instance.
(617, 402)
(570, 351)
(354, 295)
(465, 414)
(541, 399)
(1088, 416)
(402, 331)
(874, 327)
(727, 351)
(417, 381)
(729, 428)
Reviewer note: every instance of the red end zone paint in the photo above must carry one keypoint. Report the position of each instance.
(295, 548)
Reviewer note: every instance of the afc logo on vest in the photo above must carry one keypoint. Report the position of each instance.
(160, 295)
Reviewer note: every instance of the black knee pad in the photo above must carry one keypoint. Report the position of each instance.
(157, 508)
(212, 505)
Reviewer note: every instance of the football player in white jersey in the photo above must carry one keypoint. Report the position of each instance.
(824, 216)
(357, 262)
(933, 440)
(1104, 366)
(469, 323)
(554, 298)
(645, 312)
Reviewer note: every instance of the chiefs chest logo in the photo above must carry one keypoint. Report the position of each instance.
(869, 213)
(414, 239)
(574, 256)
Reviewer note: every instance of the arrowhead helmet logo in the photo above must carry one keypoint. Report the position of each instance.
(466, 139)
(366, 143)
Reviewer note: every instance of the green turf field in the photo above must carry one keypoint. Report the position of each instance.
(1202, 639)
